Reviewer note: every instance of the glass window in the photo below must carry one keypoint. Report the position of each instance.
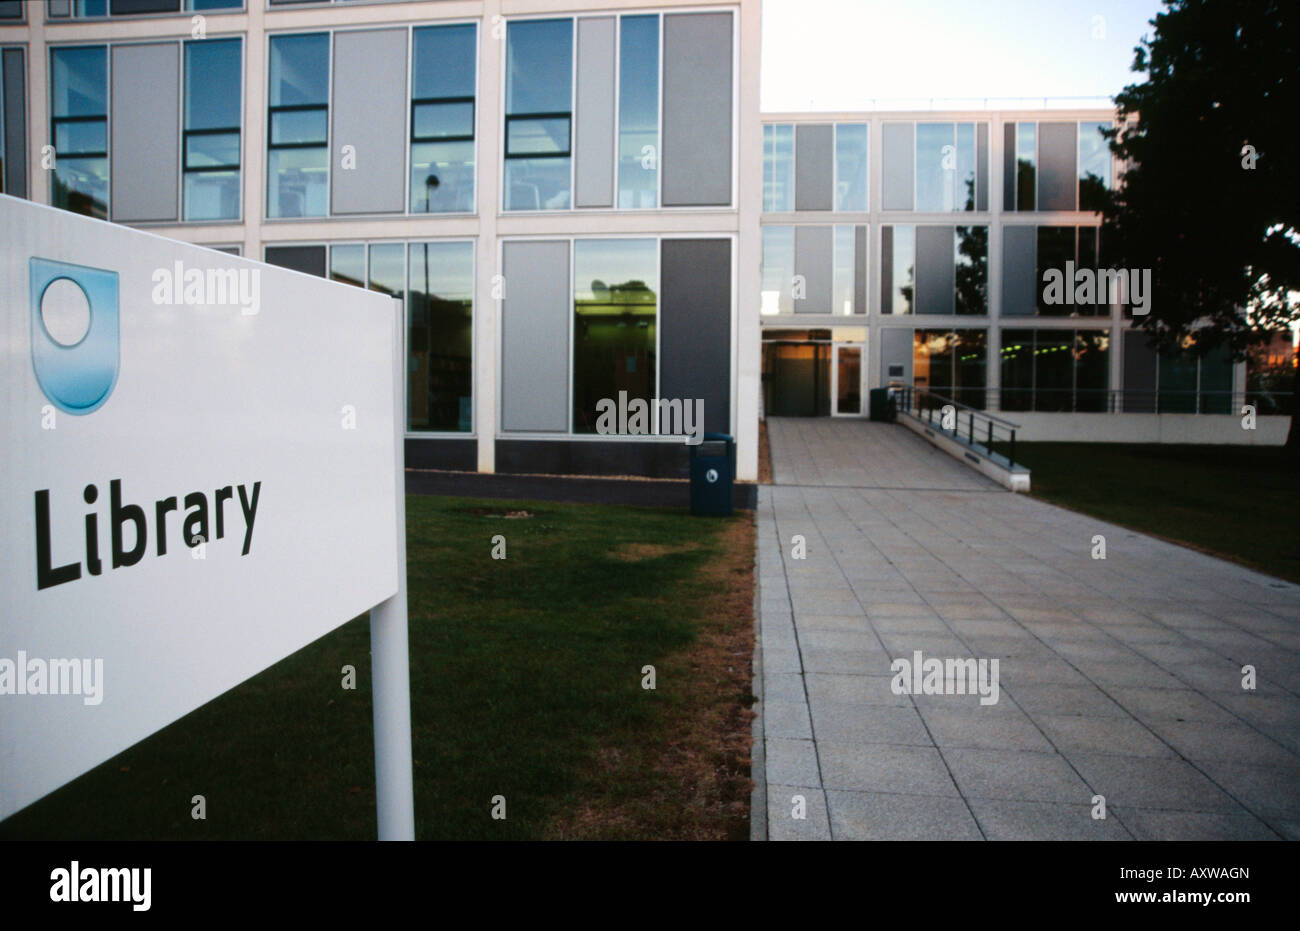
(936, 166)
(79, 127)
(851, 167)
(778, 270)
(135, 7)
(1026, 165)
(297, 167)
(842, 278)
(443, 63)
(951, 363)
(539, 111)
(964, 188)
(971, 249)
(348, 264)
(615, 301)
(1053, 370)
(211, 137)
(1017, 370)
(387, 268)
(638, 112)
(1094, 165)
(904, 273)
(1056, 246)
(1092, 370)
(440, 326)
(11, 9)
(778, 168)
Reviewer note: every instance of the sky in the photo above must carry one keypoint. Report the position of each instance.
(874, 54)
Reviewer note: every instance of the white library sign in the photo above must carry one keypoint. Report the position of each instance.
(201, 475)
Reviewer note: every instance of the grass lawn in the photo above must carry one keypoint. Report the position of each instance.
(526, 682)
(1238, 502)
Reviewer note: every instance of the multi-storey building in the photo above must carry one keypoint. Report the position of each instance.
(578, 200)
(564, 194)
(911, 248)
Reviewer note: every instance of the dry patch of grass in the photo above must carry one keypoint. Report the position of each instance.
(636, 552)
(688, 779)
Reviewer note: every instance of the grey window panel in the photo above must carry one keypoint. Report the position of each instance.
(896, 349)
(982, 166)
(594, 143)
(886, 269)
(1058, 147)
(859, 269)
(15, 114)
(60, 8)
(1008, 166)
(813, 258)
(1019, 271)
(374, 123)
(535, 336)
(814, 165)
(145, 132)
(695, 326)
(310, 260)
(935, 270)
(1139, 373)
(695, 157)
(898, 143)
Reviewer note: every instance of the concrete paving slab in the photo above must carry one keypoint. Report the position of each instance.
(1129, 667)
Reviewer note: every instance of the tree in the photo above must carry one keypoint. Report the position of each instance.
(1210, 198)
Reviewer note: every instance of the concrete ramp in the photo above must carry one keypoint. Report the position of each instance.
(830, 452)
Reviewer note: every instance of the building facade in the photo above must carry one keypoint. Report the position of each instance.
(564, 195)
(912, 249)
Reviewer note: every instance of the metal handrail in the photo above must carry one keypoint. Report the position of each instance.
(921, 403)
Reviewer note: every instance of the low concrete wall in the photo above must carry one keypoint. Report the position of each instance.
(1147, 428)
(1015, 479)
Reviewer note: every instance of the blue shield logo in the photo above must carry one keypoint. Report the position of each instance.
(75, 333)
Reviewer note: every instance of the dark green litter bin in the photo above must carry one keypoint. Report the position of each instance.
(713, 475)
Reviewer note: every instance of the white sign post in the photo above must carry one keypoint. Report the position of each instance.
(202, 473)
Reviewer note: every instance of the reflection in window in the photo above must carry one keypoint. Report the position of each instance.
(539, 111)
(936, 166)
(1017, 370)
(387, 268)
(616, 312)
(851, 167)
(1055, 370)
(348, 264)
(1091, 370)
(1056, 245)
(778, 270)
(211, 138)
(945, 166)
(778, 168)
(971, 249)
(1026, 165)
(903, 289)
(638, 112)
(842, 272)
(297, 167)
(1094, 166)
(440, 317)
(951, 363)
(442, 119)
(79, 128)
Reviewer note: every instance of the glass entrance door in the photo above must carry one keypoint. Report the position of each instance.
(846, 381)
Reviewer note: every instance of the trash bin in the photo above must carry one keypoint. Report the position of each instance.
(713, 475)
(879, 404)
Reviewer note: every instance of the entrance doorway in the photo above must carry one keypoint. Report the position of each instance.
(846, 381)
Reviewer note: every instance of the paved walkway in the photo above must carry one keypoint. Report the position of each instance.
(1118, 678)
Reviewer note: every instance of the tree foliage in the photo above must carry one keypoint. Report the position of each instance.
(1210, 193)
